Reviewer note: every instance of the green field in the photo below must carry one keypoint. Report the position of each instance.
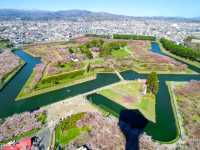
(121, 53)
(54, 83)
(67, 129)
(130, 95)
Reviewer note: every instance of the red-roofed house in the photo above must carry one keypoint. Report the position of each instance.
(22, 145)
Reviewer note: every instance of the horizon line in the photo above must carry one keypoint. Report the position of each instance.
(45, 10)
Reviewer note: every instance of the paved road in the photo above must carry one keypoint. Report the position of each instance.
(45, 135)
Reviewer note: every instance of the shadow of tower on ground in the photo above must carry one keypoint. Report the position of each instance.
(132, 124)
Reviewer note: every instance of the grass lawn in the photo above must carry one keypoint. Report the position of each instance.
(60, 79)
(67, 129)
(70, 66)
(96, 61)
(51, 86)
(121, 53)
(66, 136)
(130, 95)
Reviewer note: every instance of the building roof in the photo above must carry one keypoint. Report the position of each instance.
(23, 144)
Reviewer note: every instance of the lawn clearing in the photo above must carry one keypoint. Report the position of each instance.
(131, 96)
(68, 130)
(121, 53)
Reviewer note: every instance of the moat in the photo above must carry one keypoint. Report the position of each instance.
(164, 129)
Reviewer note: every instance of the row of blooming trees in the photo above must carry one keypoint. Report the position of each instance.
(8, 63)
(19, 124)
(188, 95)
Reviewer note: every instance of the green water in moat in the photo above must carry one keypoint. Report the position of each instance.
(163, 130)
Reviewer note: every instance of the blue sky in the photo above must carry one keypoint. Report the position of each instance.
(183, 8)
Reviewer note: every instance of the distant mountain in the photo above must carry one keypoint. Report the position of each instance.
(75, 15)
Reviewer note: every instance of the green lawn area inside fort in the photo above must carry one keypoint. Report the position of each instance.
(121, 53)
(131, 96)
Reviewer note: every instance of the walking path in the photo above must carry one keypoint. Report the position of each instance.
(101, 88)
(119, 75)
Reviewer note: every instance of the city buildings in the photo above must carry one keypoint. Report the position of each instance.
(22, 32)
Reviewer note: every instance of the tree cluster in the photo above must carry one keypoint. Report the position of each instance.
(133, 37)
(85, 50)
(98, 36)
(5, 43)
(95, 43)
(105, 47)
(181, 50)
(109, 47)
(153, 83)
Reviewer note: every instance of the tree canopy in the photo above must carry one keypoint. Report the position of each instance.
(153, 83)
(181, 50)
(133, 37)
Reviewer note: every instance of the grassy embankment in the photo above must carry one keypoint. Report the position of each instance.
(11, 74)
(4, 44)
(177, 116)
(55, 82)
(185, 98)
